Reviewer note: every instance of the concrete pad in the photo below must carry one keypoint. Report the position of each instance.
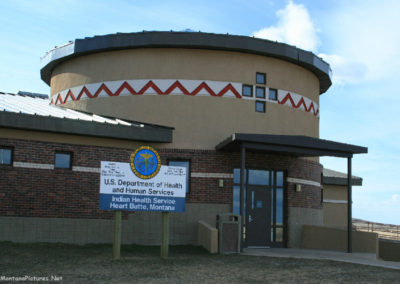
(357, 258)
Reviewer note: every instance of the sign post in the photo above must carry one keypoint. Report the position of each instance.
(142, 185)
(165, 235)
(117, 235)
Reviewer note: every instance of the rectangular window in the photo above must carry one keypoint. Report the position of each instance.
(63, 160)
(5, 155)
(184, 164)
(273, 94)
(261, 78)
(260, 92)
(247, 91)
(260, 106)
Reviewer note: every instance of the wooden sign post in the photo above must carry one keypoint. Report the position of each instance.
(165, 235)
(142, 185)
(117, 235)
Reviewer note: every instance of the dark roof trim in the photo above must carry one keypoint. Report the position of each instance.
(331, 177)
(290, 144)
(198, 40)
(341, 181)
(86, 128)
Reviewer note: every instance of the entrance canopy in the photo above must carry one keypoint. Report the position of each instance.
(296, 145)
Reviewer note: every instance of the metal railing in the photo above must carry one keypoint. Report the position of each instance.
(384, 231)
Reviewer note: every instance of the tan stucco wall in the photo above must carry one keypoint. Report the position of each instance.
(200, 122)
(179, 63)
(335, 192)
(142, 228)
(297, 217)
(389, 250)
(335, 215)
(316, 237)
(209, 121)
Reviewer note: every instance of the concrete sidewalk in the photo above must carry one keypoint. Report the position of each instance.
(358, 258)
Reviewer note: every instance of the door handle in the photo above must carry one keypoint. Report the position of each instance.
(250, 218)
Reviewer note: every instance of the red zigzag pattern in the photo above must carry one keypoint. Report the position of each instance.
(150, 84)
(176, 84)
(301, 102)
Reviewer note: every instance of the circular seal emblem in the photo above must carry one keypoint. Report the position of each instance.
(145, 162)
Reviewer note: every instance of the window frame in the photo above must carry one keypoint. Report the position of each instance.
(12, 155)
(70, 159)
(262, 102)
(189, 169)
(251, 89)
(276, 94)
(260, 88)
(264, 75)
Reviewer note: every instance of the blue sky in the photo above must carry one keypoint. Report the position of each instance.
(360, 39)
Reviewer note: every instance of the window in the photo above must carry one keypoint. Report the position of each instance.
(63, 160)
(247, 91)
(5, 155)
(260, 92)
(261, 78)
(273, 94)
(260, 106)
(184, 164)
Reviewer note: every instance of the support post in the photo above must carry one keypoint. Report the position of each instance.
(242, 196)
(165, 235)
(349, 208)
(117, 235)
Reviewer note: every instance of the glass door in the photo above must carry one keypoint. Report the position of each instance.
(264, 206)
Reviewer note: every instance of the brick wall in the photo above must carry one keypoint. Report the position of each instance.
(63, 193)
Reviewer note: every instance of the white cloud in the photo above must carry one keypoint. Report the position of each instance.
(343, 70)
(367, 32)
(294, 27)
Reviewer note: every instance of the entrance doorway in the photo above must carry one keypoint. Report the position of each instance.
(264, 207)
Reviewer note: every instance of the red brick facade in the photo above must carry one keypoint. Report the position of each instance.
(64, 193)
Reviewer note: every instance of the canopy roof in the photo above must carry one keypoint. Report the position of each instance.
(290, 144)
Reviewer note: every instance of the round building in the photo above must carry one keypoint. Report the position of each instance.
(244, 117)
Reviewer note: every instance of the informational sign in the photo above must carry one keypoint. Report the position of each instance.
(121, 188)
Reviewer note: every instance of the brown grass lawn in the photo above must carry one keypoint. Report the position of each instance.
(92, 264)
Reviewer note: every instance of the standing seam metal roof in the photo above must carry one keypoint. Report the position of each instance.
(36, 113)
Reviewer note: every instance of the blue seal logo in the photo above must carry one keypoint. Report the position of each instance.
(145, 162)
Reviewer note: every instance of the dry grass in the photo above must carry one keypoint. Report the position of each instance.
(384, 231)
(92, 264)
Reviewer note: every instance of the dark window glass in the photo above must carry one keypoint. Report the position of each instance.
(279, 206)
(258, 177)
(236, 176)
(63, 160)
(260, 92)
(183, 164)
(5, 156)
(279, 178)
(273, 94)
(247, 90)
(236, 199)
(260, 78)
(260, 106)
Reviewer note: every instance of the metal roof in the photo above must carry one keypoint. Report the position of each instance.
(195, 40)
(297, 145)
(34, 112)
(338, 178)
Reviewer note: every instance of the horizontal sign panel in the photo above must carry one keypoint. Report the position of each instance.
(121, 189)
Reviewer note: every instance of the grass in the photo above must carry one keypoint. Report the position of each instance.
(186, 264)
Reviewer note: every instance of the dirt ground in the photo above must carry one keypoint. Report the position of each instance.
(93, 264)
